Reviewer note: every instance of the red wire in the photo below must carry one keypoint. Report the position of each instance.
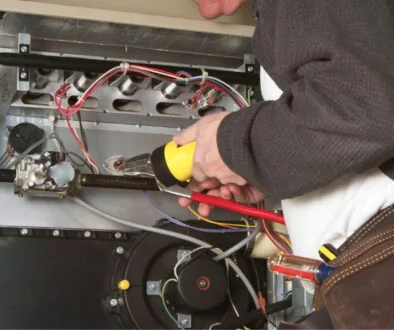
(198, 96)
(237, 207)
(269, 232)
(294, 273)
(159, 70)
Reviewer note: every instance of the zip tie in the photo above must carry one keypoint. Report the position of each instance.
(126, 67)
(204, 76)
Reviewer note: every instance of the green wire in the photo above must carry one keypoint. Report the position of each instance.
(171, 280)
(249, 95)
(288, 294)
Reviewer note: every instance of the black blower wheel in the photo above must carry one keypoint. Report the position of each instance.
(200, 296)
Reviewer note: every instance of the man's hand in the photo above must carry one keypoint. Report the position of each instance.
(207, 162)
(245, 194)
(215, 8)
(209, 171)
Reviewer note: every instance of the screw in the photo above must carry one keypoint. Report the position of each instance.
(24, 231)
(55, 233)
(152, 287)
(185, 322)
(203, 283)
(119, 250)
(23, 75)
(31, 184)
(87, 234)
(105, 111)
(118, 235)
(113, 302)
(24, 49)
(250, 69)
(20, 195)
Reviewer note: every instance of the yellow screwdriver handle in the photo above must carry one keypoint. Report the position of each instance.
(179, 160)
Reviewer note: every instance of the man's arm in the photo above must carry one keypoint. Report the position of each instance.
(337, 116)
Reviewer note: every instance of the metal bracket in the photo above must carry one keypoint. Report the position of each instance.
(23, 78)
(185, 320)
(250, 63)
(153, 288)
(181, 254)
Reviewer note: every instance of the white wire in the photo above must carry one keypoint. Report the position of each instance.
(230, 298)
(183, 259)
(18, 158)
(240, 244)
(214, 325)
(152, 70)
(126, 67)
(232, 89)
(169, 233)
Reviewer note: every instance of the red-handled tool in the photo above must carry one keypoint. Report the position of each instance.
(236, 207)
(171, 166)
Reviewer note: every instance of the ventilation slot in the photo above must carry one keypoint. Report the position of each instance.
(127, 105)
(172, 109)
(90, 103)
(37, 99)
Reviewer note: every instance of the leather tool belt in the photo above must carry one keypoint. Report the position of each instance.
(360, 292)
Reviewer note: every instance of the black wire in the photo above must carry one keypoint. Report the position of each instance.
(270, 322)
(256, 274)
(84, 161)
(83, 134)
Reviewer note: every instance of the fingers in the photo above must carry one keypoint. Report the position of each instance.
(184, 202)
(198, 173)
(233, 179)
(225, 192)
(199, 186)
(235, 190)
(210, 8)
(188, 135)
(205, 209)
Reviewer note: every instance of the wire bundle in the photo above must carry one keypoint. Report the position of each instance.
(181, 78)
(280, 240)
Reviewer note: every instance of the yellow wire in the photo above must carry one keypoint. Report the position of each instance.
(218, 223)
(284, 238)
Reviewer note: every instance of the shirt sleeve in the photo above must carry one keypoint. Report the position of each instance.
(337, 114)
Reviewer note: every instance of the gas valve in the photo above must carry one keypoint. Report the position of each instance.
(45, 175)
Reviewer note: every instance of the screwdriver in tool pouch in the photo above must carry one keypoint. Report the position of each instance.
(298, 267)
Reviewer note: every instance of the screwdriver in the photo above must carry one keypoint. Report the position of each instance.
(298, 267)
(172, 165)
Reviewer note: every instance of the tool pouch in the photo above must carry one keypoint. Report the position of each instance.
(360, 292)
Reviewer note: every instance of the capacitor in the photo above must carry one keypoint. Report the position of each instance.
(298, 267)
